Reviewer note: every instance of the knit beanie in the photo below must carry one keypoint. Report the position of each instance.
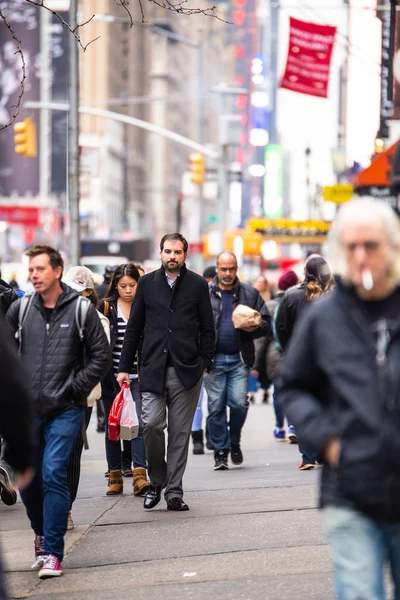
(287, 280)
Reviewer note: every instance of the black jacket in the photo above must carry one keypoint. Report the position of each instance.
(62, 369)
(243, 293)
(290, 307)
(178, 321)
(16, 419)
(7, 296)
(332, 385)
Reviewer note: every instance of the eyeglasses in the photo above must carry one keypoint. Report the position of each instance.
(369, 246)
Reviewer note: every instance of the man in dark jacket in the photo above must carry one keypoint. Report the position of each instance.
(16, 422)
(7, 296)
(227, 382)
(172, 307)
(64, 365)
(341, 387)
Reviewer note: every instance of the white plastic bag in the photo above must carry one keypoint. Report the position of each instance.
(129, 422)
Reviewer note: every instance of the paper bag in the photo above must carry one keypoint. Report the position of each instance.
(244, 316)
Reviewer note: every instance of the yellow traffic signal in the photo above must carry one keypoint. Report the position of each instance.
(25, 138)
(197, 167)
(379, 145)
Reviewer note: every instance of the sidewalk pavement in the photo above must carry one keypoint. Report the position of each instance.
(251, 532)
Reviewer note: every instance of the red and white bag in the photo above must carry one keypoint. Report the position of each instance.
(129, 422)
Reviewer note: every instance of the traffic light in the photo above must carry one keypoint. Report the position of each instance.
(197, 168)
(25, 138)
(379, 145)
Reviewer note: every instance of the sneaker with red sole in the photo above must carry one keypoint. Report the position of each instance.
(40, 555)
(303, 466)
(51, 567)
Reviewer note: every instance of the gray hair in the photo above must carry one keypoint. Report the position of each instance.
(364, 211)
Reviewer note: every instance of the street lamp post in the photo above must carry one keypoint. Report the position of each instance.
(73, 141)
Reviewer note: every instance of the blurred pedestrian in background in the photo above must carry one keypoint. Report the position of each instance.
(197, 426)
(318, 280)
(341, 387)
(102, 288)
(116, 306)
(16, 418)
(269, 353)
(81, 279)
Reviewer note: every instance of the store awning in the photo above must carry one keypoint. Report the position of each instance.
(379, 172)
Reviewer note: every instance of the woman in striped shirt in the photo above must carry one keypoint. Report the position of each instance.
(117, 306)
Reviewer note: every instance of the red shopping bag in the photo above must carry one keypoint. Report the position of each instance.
(115, 414)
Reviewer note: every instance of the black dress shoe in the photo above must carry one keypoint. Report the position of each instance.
(177, 504)
(152, 496)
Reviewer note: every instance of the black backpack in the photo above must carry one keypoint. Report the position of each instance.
(7, 296)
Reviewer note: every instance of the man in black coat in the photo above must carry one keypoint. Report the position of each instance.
(172, 308)
(64, 364)
(227, 383)
(340, 383)
(16, 419)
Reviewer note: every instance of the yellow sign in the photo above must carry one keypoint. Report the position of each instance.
(338, 193)
(287, 226)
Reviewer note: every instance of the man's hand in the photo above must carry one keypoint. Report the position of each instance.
(332, 452)
(250, 329)
(123, 378)
(254, 372)
(22, 480)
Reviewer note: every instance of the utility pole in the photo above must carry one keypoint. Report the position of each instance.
(73, 141)
(45, 114)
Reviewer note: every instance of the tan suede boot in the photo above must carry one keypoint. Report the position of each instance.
(115, 483)
(140, 481)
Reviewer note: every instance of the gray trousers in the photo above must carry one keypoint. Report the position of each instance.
(181, 405)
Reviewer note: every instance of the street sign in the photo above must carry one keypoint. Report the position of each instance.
(338, 193)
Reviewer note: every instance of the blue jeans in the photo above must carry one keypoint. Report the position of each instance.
(113, 448)
(360, 548)
(198, 415)
(279, 411)
(226, 386)
(46, 499)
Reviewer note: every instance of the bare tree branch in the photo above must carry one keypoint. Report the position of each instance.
(125, 6)
(23, 69)
(74, 31)
(178, 7)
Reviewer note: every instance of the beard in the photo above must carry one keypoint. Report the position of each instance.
(171, 267)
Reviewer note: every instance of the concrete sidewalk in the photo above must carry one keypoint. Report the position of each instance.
(251, 532)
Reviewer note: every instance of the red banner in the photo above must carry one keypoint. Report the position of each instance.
(309, 58)
(21, 215)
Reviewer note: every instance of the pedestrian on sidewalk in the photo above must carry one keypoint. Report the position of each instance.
(318, 280)
(172, 309)
(65, 361)
(227, 382)
(269, 354)
(197, 426)
(16, 419)
(341, 386)
(81, 279)
(117, 307)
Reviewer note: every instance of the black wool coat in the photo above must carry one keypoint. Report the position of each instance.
(178, 321)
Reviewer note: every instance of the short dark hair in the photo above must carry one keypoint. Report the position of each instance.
(170, 237)
(55, 258)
